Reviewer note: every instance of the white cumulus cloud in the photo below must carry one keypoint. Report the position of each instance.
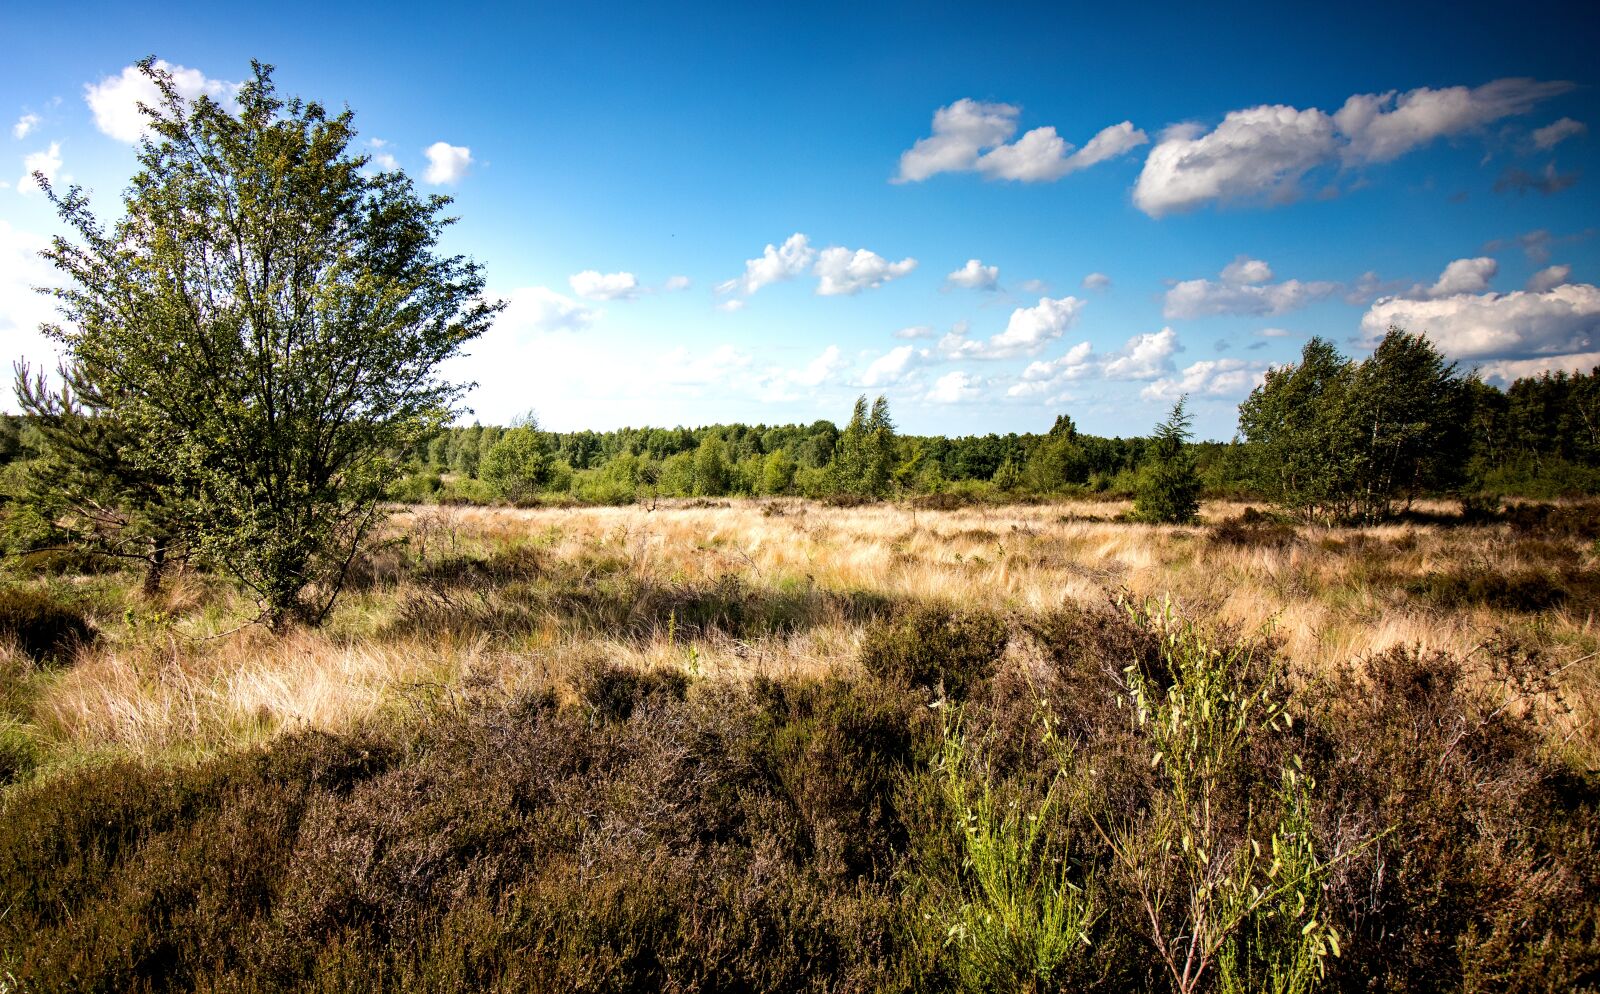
(604, 286)
(1097, 281)
(675, 283)
(1261, 154)
(821, 369)
(24, 126)
(1077, 363)
(1242, 289)
(1549, 278)
(1384, 126)
(960, 131)
(1209, 378)
(447, 163)
(953, 387)
(115, 99)
(1246, 270)
(47, 162)
(975, 276)
(1258, 153)
(1461, 276)
(1510, 370)
(1562, 320)
(1144, 356)
(538, 309)
(894, 366)
(842, 272)
(775, 264)
(965, 129)
(1028, 331)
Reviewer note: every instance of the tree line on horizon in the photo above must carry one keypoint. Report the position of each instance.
(1326, 437)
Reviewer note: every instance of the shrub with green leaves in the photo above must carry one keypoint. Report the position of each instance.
(1022, 910)
(1224, 868)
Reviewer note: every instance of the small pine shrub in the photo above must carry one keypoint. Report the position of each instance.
(1168, 487)
(935, 646)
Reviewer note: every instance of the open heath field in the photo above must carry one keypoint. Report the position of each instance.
(523, 599)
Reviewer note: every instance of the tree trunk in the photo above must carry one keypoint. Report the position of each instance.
(155, 569)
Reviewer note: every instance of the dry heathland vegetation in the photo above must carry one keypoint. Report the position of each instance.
(782, 746)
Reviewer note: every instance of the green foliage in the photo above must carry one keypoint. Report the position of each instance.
(264, 322)
(1026, 910)
(1302, 426)
(711, 471)
(518, 464)
(1242, 905)
(867, 453)
(933, 646)
(658, 833)
(83, 491)
(1337, 439)
(1058, 461)
(778, 474)
(1169, 487)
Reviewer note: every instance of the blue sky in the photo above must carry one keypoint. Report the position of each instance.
(1259, 175)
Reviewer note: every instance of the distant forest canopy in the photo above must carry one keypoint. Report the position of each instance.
(1322, 437)
(1540, 437)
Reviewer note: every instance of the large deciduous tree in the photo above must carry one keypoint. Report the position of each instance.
(266, 324)
(1334, 438)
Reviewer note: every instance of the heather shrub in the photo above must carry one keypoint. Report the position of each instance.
(612, 691)
(839, 751)
(1528, 591)
(45, 631)
(933, 646)
(1487, 878)
(1251, 528)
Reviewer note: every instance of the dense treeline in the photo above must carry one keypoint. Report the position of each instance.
(1327, 437)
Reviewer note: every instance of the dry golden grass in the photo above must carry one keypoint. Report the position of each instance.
(186, 684)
